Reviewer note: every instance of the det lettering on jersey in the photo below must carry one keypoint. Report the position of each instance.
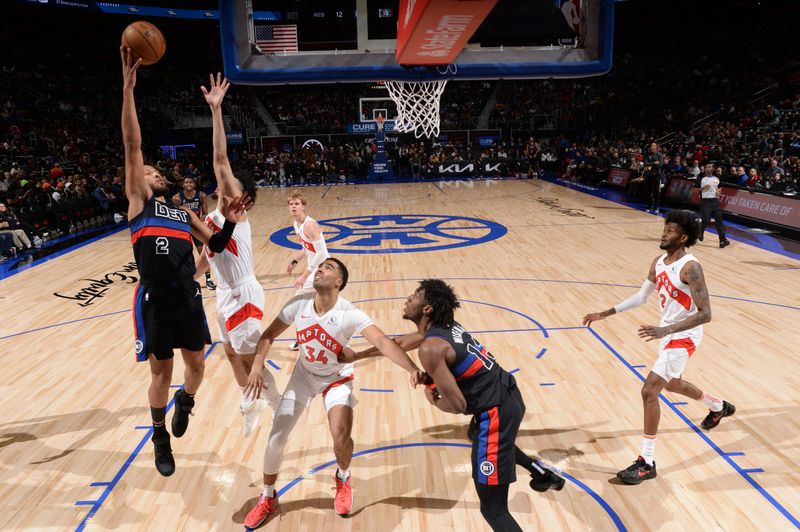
(173, 214)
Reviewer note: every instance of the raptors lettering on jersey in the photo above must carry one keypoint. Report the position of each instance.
(316, 332)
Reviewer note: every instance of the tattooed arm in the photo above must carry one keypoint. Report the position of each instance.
(691, 274)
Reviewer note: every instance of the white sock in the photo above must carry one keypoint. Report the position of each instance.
(648, 448)
(714, 404)
(343, 475)
(245, 398)
(268, 491)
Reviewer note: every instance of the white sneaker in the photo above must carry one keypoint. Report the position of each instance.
(250, 415)
(295, 346)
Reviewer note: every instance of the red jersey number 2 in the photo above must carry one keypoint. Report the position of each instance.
(320, 357)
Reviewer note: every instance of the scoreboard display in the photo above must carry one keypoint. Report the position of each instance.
(332, 23)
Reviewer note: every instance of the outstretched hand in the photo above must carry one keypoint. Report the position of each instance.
(129, 67)
(233, 208)
(589, 318)
(217, 90)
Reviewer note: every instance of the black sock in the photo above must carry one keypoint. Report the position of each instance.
(528, 463)
(158, 415)
(208, 276)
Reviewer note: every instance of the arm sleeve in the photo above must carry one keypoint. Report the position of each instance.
(321, 255)
(218, 241)
(639, 298)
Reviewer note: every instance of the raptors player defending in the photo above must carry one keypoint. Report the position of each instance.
(195, 201)
(240, 298)
(311, 238)
(683, 298)
(325, 324)
(167, 305)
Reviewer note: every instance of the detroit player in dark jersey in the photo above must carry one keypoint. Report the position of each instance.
(168, 309)
(195, 201)
(464, 378)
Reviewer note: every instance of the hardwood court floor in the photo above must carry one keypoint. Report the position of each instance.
(72, 397)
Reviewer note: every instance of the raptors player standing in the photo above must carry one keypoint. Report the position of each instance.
(313, 245)
(685, 307)
(325, 324)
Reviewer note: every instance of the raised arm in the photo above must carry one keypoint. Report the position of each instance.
(222, 166)
(136, 187)
(230, 210)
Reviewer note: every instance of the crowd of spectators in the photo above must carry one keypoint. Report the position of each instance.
(735, 104)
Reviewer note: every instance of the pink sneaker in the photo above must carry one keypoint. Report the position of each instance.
(259, 514)
(343, 501)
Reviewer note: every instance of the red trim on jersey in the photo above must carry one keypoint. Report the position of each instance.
(231, 246)
(472, 369)
(673, 292)
(682, 343)
(492, 443)
(337, 383)
(241, 315)
(160, 231)
(308, 245)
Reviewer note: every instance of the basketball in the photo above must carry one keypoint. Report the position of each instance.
(145, 41)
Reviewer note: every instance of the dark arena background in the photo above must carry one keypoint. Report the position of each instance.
(568, 131)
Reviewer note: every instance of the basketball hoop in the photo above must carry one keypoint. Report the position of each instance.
(417, 106)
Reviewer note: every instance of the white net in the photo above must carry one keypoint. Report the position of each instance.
(417, 106)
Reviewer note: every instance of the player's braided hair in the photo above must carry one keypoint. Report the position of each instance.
(441, 297)
(688, 222)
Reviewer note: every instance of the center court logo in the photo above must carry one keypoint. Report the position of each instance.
(399, 233)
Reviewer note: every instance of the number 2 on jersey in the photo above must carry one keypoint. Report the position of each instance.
(162, 246)
(319, 358)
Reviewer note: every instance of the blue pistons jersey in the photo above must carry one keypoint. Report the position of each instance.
(162, 243)
(479, 377)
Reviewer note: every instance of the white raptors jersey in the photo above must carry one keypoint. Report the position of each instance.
(235, 264)
(674, 296)
(309, 246)
(322, 338)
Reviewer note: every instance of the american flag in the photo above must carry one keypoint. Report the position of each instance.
(270, 39)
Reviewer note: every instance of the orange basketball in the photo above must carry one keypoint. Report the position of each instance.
(145, 41)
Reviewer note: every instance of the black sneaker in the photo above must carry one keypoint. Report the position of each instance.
(549, 481)
(637, 472)
(210, 284)
(183, 409)
(165, 463)
(725, 243)
(713, 418)
(295, 346)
